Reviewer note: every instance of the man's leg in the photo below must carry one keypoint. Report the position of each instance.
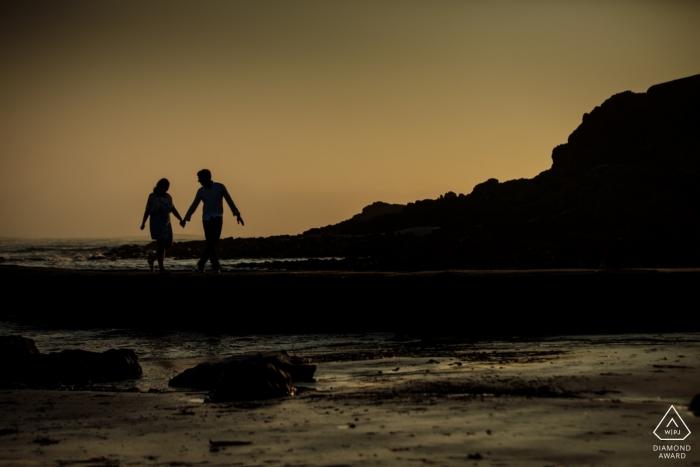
(217, 224)
(206, 253)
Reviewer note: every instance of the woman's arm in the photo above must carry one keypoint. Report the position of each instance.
(145, 218)
(176, 214)
(147, 212)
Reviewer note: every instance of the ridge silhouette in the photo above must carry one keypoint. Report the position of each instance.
(651, 137)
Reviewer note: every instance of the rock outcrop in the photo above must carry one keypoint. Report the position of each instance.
(22, 362)
(247, 377)
(695, 405)
(252, 380)
(624, 191)
(14, 347)
(377, 209)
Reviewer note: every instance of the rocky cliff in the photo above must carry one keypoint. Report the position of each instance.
(633, 160)
(622, 191)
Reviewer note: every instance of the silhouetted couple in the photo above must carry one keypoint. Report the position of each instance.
(160, 205)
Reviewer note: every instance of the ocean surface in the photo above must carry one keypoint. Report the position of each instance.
(89, 254)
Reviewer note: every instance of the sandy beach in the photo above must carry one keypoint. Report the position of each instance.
(590, 400)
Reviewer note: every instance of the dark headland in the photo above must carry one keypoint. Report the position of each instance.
(606, 240)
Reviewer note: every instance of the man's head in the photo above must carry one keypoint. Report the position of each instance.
(204, 177)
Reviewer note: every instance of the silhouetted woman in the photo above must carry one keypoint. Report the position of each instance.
(159, 206)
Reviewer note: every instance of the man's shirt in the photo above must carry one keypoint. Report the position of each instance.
(213, 198)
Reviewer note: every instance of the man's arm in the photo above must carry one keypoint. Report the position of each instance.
(230, 203)
(233, 207)
(192, 208)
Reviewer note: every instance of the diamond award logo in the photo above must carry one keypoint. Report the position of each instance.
(672, 427)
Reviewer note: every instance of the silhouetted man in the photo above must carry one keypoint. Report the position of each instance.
(212, 194)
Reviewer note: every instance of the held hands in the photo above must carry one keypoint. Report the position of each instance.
(182, 223)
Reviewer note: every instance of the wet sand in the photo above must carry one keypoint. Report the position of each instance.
(568, 401)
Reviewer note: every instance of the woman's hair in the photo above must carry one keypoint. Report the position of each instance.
(161, 187)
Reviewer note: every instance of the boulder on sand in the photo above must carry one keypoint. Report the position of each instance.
(84, 366)
(247, 377)
(203, 376)
(695, 405)
(207, 375)
(16, 346)
(21, 362)
(252, 380)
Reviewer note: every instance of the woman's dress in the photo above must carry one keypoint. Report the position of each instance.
(159, 210)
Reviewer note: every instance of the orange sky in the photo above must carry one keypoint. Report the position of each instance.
(306, 110)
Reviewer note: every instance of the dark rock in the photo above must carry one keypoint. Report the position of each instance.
(485, 188)
(252, 380)
(207, 375)
(16, 346)
(111, 365)
(417, 231)
(44, 441)
(23, 363)
(203, 376)
(377, 209)
(695, 405)
(219, 444)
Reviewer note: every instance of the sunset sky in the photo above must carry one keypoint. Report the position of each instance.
(306, 110)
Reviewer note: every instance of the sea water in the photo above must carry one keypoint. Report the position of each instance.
(89, 254)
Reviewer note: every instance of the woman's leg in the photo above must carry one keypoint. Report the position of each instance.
(160, 254)
(163, 247)
(151, 260)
